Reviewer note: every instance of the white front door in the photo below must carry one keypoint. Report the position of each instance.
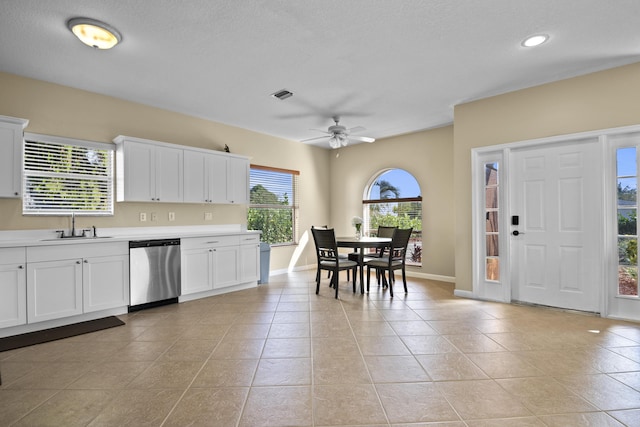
(556, 199)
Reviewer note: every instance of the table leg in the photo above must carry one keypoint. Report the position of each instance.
(361, 264)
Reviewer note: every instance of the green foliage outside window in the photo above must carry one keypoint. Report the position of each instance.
(271, 215)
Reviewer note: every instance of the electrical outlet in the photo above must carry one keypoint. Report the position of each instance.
(172, 216)
(143, 216)
(208, 216)
(154, 216)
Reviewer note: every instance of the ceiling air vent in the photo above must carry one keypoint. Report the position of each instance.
(282, 94)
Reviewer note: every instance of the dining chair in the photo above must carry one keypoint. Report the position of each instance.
(345, 256)
(383, 231)
(328, 259)
(395, 260)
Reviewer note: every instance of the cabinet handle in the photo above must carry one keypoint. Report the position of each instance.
(78, 262)
(20, 267)
(16, 193)
(86, 261)
(215, 241)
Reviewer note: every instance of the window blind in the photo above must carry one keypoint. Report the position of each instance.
(273, 204)
(64, 176)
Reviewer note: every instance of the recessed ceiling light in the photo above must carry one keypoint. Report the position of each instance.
(536, 40)
(94, 33)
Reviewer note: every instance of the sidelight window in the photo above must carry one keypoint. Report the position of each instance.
(492, 233)
(627, 215)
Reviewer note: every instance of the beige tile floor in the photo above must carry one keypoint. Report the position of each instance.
(279, 355)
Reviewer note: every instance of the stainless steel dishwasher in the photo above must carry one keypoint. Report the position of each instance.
(154, 273)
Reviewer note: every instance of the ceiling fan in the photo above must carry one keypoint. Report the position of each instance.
(339, 135)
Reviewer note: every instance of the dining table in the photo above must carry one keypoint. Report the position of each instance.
(361, 244)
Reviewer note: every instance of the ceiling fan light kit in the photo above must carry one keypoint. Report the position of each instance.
(339, 135)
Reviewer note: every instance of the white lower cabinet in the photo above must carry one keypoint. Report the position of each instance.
(13, 290)
(196, 270)
(54, 289)
(105, 282)
(68, 280)
(250, 259)
(226, 264)
(213, 263)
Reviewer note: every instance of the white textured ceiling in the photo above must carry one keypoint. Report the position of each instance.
(391, 66)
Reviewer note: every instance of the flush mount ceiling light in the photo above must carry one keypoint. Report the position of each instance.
(94, 33)
(535, 40)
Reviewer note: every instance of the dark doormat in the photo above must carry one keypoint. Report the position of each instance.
(39, 337)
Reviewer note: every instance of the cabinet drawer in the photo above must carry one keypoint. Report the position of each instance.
(209, 242)
(82, 250)
(13, 255)
(250, 239)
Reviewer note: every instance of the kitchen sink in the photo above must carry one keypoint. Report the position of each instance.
(62, 239)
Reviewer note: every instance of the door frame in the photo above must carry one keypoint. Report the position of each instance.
(607, 236)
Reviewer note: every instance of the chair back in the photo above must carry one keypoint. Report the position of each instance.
(326, 246)
(385, 231)
(399, 243)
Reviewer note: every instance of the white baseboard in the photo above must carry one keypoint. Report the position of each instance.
(464, 294)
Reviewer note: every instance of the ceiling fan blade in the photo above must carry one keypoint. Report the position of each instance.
(320, 130)
(356, 129)
(314, 139)
(362, 138)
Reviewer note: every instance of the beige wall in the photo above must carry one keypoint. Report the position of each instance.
(63, 111)
(600, 100)
(428, 156)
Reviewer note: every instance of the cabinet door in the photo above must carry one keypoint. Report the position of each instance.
(217, 178)
(196, 188)
(238, 180)
(225, 266)
(13, 303)
(196, 270)
(249, 262)
(10, 160)
(139, 173)
(54, 289)
(168, 174)
(105, 282)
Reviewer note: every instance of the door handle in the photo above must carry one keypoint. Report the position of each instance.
(516, 233)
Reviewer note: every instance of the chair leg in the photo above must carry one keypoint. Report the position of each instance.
(404, 279)
(334, 279)
(354, 280)
(318, 282)
(391, 280)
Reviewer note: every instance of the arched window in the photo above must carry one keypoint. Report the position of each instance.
(393, 198)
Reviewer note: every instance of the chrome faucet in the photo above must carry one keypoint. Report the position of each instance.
(73, 225)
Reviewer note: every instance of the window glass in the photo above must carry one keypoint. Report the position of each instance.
(273, 204)
(67, 176)
(627, 210)
(394, 199)
(492, 209)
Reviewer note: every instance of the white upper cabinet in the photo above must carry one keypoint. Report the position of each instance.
(238, 180)
(148, 171)
(11, 137)
(205, 177)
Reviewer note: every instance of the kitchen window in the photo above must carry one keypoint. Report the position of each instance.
(273, 204)
(64, 176)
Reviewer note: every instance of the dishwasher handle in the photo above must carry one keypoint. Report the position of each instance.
(155, 242)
